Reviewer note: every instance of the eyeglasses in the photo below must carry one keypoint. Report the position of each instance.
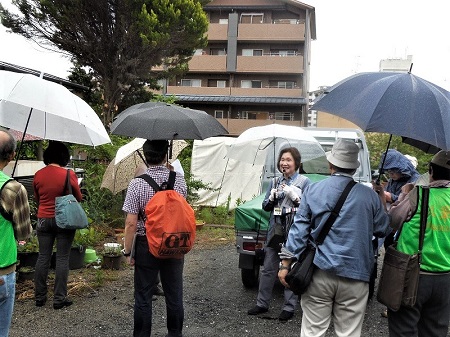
(392, 171)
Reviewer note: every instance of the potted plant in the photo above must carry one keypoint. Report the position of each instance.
(112, 256)
(26, 273)
(28, 251)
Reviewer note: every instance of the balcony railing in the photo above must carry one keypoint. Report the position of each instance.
(270, 64)
(217, 32)
(271, 32)
(214, 91)
(208, 63)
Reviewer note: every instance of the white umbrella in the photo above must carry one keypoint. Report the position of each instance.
(256, 144)
(129, 158)
(47, 110)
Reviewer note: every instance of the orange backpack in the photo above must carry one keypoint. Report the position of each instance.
(170, 221)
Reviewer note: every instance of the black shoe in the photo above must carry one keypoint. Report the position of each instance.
(256, 310)
(40, 303)
(285, 316)
(65, 303)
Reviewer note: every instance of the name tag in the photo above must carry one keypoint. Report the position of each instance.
(277, 211)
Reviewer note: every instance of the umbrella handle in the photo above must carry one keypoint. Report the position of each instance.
(384, 159)
(21, 144)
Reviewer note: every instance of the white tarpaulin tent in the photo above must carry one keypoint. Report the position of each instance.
(228, 177)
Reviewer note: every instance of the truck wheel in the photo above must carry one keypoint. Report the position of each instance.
(250, 277)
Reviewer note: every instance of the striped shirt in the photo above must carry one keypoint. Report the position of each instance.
(139, 192)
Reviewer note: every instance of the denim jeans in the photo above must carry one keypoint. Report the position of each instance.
(47, 232)
(145, 274)
(7, 293)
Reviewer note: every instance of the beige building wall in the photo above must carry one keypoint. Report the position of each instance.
(326, 120)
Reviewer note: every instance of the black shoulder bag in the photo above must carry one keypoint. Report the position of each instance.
(302, 271)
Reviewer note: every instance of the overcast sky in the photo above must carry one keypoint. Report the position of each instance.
(352, 36)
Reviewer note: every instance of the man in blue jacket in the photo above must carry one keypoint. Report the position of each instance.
(344, 262)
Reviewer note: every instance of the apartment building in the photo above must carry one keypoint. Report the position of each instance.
(255, 68)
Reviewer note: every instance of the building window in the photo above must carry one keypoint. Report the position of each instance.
(252, 52)
(251, 84)
(252, 18)
(283, 52)
(219, 114)
(284, 116)
(217, 83)
(191, 83)
(223, 21)
(282, 84)
(217, 51)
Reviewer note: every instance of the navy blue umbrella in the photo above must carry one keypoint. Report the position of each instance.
(397, 103)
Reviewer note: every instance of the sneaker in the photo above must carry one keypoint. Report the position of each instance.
(285, 315)
(256, 310)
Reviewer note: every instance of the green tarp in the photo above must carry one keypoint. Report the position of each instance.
(251, 217)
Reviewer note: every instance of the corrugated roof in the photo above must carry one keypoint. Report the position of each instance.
(48, 77)
(240, 99)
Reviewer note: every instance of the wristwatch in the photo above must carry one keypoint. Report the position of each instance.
(283, 267)
(125, 254)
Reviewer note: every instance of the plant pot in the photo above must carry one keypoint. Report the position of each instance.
(27, 259)
(25, 275)
(76, 258)
(112, 262)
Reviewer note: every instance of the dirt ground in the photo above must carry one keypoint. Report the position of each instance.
(216, 304)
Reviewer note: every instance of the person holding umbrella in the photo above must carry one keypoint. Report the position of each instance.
(283, 195)
(147, 266)
(430, 315)
(15, 225)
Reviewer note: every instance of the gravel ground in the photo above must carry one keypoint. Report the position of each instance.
(216, 305)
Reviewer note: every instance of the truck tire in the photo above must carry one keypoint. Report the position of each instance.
(250, 277)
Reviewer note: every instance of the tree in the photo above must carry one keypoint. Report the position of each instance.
(120, 40)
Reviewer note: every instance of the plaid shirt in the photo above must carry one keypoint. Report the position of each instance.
(14, 199)
(139, 192)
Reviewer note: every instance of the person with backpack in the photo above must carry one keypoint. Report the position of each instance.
(137, 250)
(281, 200)
(15, 225)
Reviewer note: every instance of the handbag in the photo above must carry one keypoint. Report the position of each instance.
(300, 275)
(68, 212)
(399, 279)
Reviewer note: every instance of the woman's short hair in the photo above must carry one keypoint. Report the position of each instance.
(155, 151)
(295, 154)
(56, 153)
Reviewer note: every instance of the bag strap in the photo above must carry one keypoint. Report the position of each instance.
(168, 185)
(423, 219)
(68, 185)
(334, 213)
(150, 181)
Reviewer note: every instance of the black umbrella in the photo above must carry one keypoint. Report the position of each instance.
(158, 120)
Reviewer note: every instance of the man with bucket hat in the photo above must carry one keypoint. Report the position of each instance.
(344, 261)
(430, 315)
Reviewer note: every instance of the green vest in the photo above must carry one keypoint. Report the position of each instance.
(8, 248)
(436, 245)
